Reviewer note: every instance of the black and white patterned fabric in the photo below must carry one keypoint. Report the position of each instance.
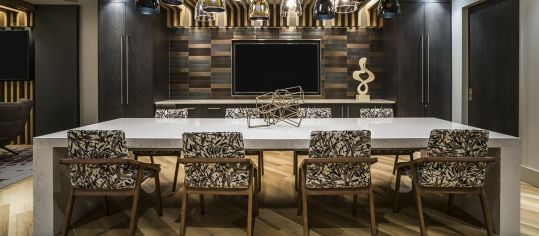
(315, 112)
(215, 175)
(339, 144)
(238, 113)
(376, 113)
(171, 113)
(454, 143)
(101, 144)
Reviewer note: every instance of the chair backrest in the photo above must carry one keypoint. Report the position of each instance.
(457, 143)
(171, 113)
(96, 144)
(13, 118)
(215, 175)
(376, 113)
(347, 143)
(238, 113)
(311, 112)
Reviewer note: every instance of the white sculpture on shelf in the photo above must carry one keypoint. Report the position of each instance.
(363, 87)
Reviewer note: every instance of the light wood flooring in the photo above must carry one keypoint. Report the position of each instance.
(226, 215)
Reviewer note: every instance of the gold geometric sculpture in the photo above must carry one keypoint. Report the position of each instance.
(281, 105)
(362, 93)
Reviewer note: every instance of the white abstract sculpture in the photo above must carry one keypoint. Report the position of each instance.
(363, 87)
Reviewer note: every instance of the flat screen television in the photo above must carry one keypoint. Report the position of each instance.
(15, 56)
(261, 66)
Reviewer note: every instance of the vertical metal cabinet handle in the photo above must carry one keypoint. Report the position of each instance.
(127, 68)
(122, 70)
(342, 111)
(422, 70)
(428, 69)
(348, 111)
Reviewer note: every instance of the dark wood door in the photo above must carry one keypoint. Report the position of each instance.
(494, 66)
(111, 74)
(438, 60)
(410, 59)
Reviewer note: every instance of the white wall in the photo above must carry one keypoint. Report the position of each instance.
(529, 89)
(88, 62)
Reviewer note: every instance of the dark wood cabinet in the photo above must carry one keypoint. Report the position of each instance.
(131, 65)
(422, 61)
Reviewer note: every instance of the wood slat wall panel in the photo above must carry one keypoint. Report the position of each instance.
(200, 59)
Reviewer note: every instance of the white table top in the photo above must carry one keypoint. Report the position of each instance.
(253, 101)
(166, 133)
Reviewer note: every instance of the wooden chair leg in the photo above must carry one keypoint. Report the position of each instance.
(174, 183)
(450, 203)
(159, 208)
(397, 191)
(133, 223)
(69, 211)
(135, 157)
(182, 212)
(106, 205)
(261, 162)
(299, 196)
(201, 199)
(372, 211)
(256, 190)
(395, 164)
(305, 215)
(250, 221)
(354, 205)
(151, 160)
(295, 163)
(486, 212)
(422, 226)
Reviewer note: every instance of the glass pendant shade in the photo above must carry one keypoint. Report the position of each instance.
(291, 8)
(389, 8)
(173, 2)
(324, 10)
(345, 6)
(147, 7)
(259, 10)
(214, 6)
(201, 15)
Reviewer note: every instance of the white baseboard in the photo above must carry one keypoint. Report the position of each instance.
(530, 176)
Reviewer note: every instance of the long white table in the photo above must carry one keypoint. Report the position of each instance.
(51, 181)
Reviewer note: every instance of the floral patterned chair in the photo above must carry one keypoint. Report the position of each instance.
(170, 113)
(456, 163)
(339, 163)
(98, 165)
(242, 113)
(215, 164)
(397, 152)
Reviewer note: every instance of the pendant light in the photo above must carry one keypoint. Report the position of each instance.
(147, 7)
(324, 10)
(259, 10)
(291, 8)
(389, 8)
(214, 6)
(173, 2)
(201, 15)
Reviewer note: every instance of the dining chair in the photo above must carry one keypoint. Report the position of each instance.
(312, 113)
(339, 163)
(455, 163)
(99, 167)
(215, 164)
(169, 114)
(397, 152)
(243, 113)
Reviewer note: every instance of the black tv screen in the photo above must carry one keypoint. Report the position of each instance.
(14, 59)
(261, 66)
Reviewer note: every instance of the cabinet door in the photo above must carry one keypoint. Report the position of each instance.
(438, 59)
(410, 59)
(139, 62)
(111, 45)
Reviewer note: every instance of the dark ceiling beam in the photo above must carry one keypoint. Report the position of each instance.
(18, 4)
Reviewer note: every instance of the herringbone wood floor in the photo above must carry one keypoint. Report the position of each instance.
(225, 215)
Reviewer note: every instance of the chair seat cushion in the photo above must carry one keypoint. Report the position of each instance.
(107, 177)
(337, 175)
(216, 175)
(449, 174)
